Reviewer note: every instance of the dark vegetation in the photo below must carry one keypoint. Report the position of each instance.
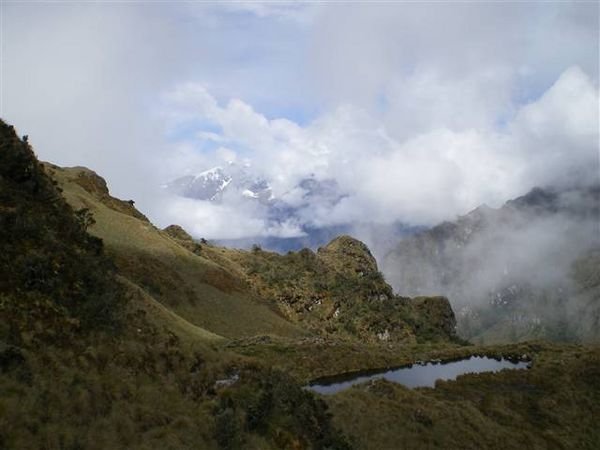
(81, 367)
(339, 291)
(554, 405)
(46, 256)
(271, 403)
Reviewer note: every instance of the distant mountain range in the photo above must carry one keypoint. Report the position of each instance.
(526, 270)
(511, 273)
(214, 183)
(237, 184)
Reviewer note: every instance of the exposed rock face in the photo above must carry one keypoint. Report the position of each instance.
(349, 255)
(339, 292)
(92, 182)
(96, 185)
(183, 238)
(177, 232)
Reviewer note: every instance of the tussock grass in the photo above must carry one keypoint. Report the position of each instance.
(200, 291)
(162, 315)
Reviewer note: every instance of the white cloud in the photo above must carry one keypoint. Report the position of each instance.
(418, 111)
(450, 64)
(218, 221)
(295, 11)
(430, 177)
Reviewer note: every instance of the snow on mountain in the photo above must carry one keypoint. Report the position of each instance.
(212, 184)
(248, 193)
(300, 207)
(239, 181)
(236, 184)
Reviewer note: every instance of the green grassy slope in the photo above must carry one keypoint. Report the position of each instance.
(199, 290)
(337, 292)
(162, 316)
(90, 360)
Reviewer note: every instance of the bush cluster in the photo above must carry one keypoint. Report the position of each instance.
(270, 404)
(45, 249)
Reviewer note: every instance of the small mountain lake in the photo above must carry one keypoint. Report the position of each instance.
(417, 375)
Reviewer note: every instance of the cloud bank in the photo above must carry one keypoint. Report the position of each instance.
(424, 179)
(418, 112)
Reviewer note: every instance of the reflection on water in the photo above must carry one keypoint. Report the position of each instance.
(418, 375)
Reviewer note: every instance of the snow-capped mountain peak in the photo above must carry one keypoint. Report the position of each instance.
(207, 185)
(211, 184)
(249, 194)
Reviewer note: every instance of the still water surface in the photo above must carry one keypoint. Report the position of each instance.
(418, 375)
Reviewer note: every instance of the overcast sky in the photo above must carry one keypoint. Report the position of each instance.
(420, 111)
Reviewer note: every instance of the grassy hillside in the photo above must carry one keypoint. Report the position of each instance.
(90, 360)
(199, 290)
(115, 334)
(46, 255)
(336, 292)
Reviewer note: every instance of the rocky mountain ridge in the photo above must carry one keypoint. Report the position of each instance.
(510, 272)
(213, 184)
(339, 291)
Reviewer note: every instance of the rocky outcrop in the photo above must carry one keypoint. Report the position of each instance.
(338, 291)
(349, 255)
(183, 238)
(96, 185)
(177, 232)
(437, 313)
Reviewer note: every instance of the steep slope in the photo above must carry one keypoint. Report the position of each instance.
(512, 273)
(90, 360)
(194, 287)
(46, 256)
(69, 366)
